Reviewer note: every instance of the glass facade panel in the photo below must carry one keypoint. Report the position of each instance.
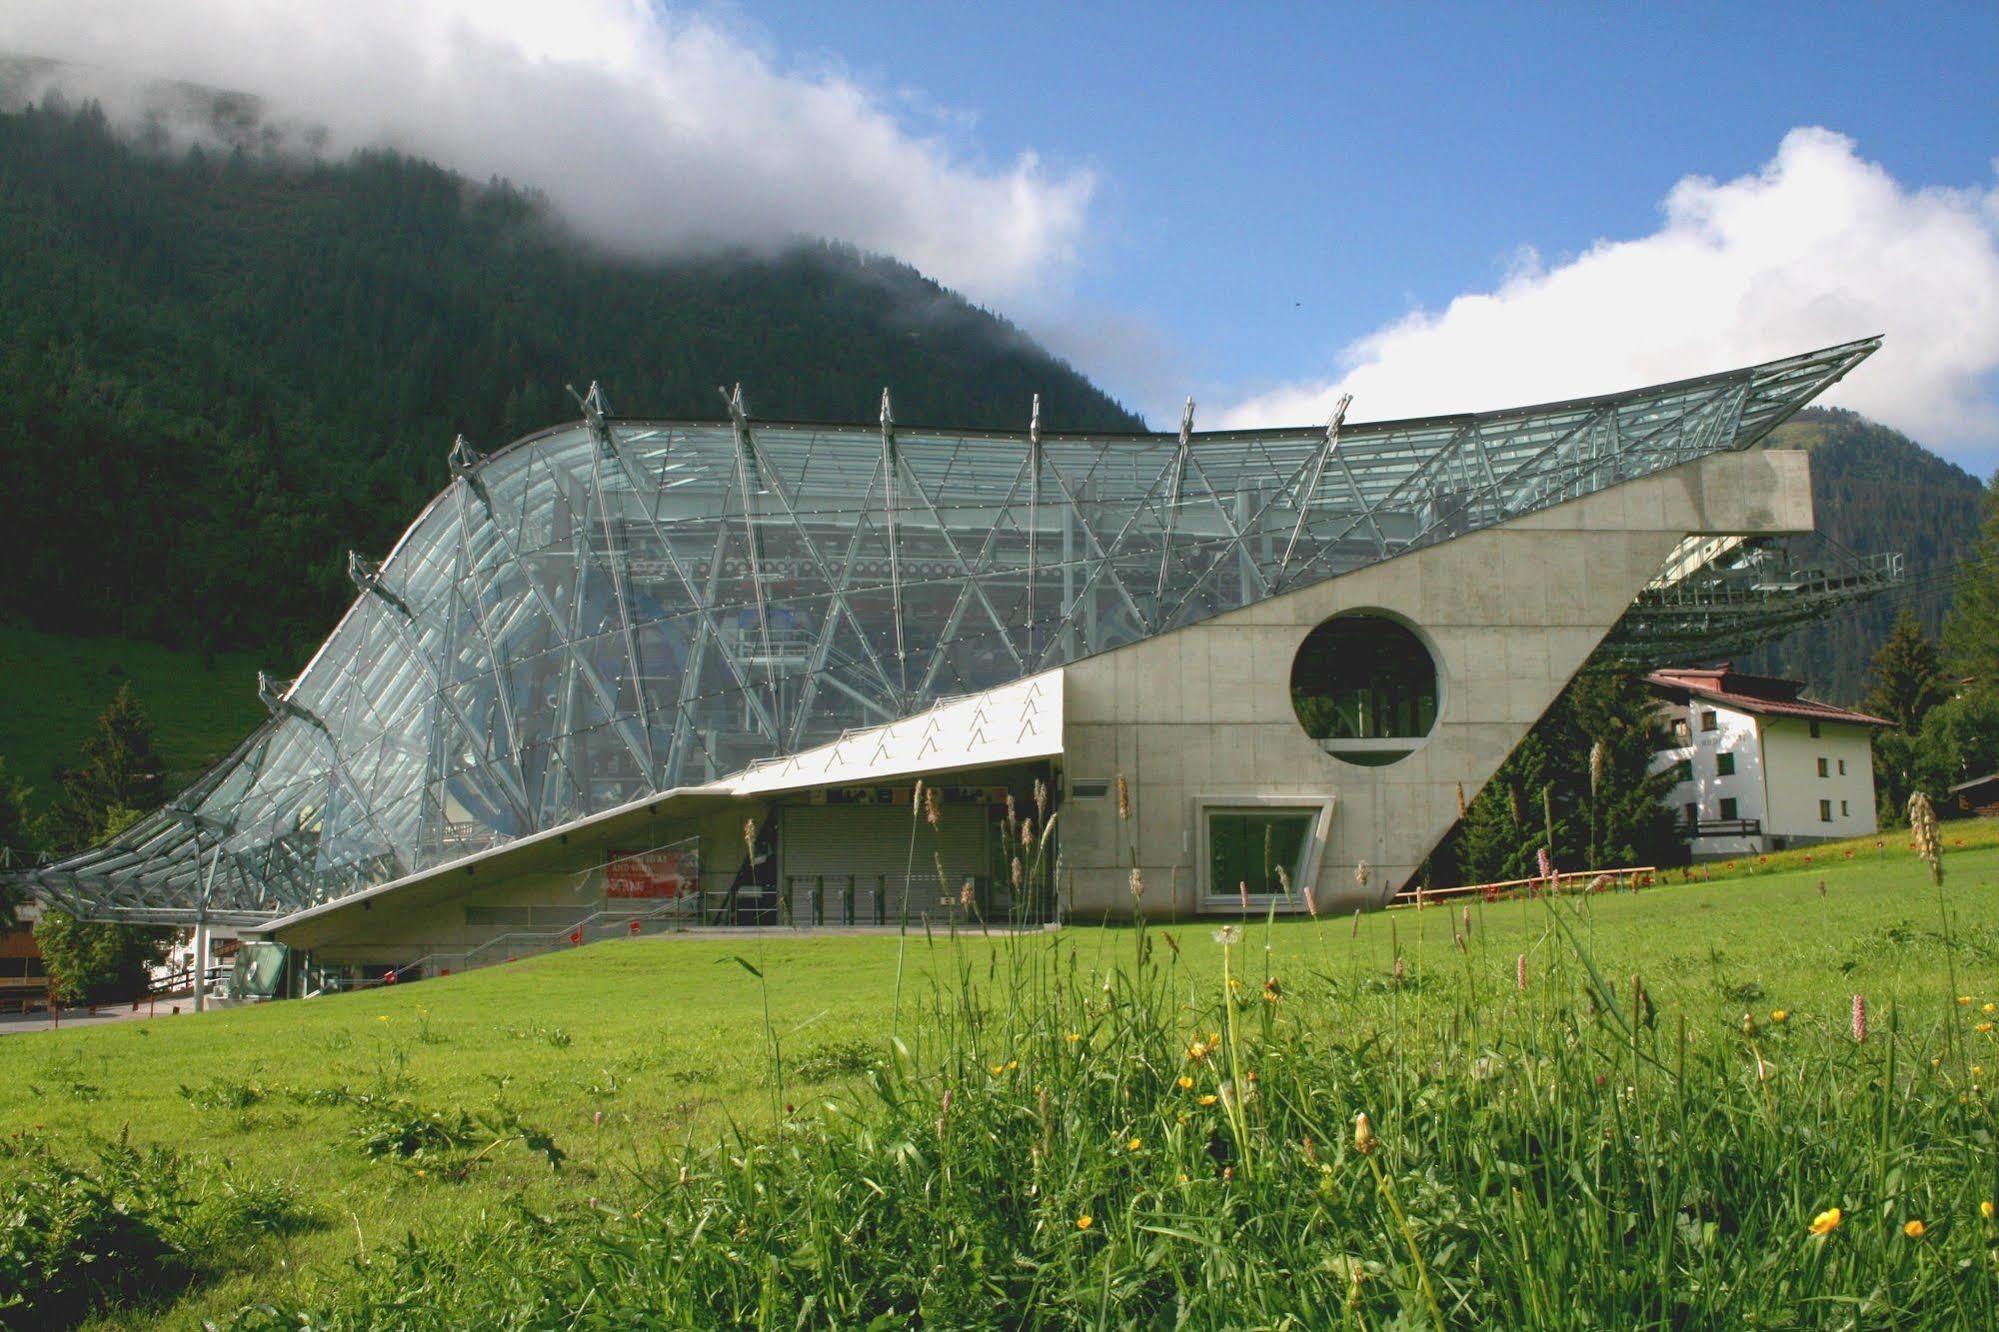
(1247, 848)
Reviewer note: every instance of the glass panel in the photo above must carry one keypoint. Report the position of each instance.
(1246, 848)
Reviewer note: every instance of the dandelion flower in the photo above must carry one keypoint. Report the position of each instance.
(1209, 1098)
(1363, 1134)
(1963, 1000)
(1073, 1037)
(1827, 1221)
(1227, 935)
(1778, 1015)
(1914, 1228)
(1988, 1008)
(1982, 1028)
(1085, 1221)
(1186, 1083)
(1134, 1145)
(383, 1017)
(1986, 1209)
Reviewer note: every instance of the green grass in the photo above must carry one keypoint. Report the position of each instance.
(1553, 1171)
(55, 686)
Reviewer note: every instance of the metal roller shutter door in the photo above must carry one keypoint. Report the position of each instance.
(868, 841)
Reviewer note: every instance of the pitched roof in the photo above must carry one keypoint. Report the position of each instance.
(1762, 695)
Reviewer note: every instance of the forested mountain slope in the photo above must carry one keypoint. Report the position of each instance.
(217, 373)
(1876, 490)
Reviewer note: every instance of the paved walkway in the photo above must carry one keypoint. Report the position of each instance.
(13, 1022)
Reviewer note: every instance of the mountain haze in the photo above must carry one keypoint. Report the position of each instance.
(219, 370)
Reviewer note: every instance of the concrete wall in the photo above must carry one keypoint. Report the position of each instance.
(1510, 613)
(1794, 787)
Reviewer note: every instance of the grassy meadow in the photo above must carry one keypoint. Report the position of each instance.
(1619, 1110)
(57, 684)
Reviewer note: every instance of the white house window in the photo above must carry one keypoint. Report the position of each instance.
(1724, 766)
(1825, 811)
(1822, 771)
(1710, 722)
(1683, 734)
(1842, 767)
(1815, 730)
(1842, 809)
(1729, 809)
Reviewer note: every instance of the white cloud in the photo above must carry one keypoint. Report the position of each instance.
(1818, 247)
(651, 130)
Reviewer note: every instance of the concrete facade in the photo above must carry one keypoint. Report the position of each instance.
(1509, 614)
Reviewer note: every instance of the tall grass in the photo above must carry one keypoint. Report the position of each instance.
(1065, 1138)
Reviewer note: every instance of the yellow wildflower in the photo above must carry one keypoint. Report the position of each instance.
(1985, 1209)
(998, 1069)
(1085, 1222)
(1197, 1052)
(1978, 1070)
(1209, 1099)
(1963, 999)
(420, 1174)
(1074, 1036)
(1186, 1083)
(1012, 1064)
(1982, 1028)
(1988, 1008)
(1134, 1145)
(1826, 1222)
(1778, 1015)
(381, 1017)
(1913, 1228)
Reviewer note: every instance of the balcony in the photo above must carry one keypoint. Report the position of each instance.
(1721, 828)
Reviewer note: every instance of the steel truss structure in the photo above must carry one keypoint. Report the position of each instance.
(1723, 595)
(614, 608)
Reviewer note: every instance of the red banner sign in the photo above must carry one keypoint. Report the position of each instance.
(653, 875)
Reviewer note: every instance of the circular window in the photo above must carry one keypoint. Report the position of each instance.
(1365, 687)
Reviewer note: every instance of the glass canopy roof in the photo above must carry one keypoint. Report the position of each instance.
(613, 608)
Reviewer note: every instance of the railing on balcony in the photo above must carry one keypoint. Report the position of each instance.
(1722, 828)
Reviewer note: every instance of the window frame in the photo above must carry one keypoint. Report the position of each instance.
(1724, 764)
(1825, 811)
(1710, 720)
(1210, 902)
(1730, 809)
(1825, 769)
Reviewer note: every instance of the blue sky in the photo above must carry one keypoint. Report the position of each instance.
(1275, 181)
(1433, 207)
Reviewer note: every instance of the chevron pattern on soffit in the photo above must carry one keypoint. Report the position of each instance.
(614, 608)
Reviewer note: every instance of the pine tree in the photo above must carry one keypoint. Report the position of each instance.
(1587, 761)
(1908, 676)
(120, 769)
(1971, 630)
